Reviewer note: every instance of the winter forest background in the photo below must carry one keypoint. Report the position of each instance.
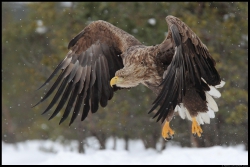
(35, 38)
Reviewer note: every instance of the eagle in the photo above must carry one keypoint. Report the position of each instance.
(103, 59)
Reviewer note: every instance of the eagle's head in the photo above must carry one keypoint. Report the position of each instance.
(129, 76)
(132, 72)
(139, 67)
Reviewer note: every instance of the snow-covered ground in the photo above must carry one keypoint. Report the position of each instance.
(40, 152)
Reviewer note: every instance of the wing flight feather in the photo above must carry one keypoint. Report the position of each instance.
(87, 69)
(190, 63)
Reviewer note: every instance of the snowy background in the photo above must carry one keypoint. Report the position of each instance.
(38, 152)
(42, 41)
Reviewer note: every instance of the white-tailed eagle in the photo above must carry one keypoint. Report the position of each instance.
(102, 58)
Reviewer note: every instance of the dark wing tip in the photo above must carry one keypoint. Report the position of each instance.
(36, 104)
(41, 86)
(70, 122)
(61, 121)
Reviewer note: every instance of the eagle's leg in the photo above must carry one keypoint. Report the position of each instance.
(167, 132)
(196, 129)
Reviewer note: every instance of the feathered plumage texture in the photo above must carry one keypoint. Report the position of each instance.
(180, 71)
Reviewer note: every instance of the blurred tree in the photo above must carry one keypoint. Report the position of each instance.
(35, 38)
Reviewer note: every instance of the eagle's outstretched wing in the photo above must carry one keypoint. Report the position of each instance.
(92, 61)
(189, 67)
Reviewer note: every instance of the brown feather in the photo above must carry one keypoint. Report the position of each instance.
(174, 70)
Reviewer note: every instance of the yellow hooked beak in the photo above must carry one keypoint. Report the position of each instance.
(113, 81)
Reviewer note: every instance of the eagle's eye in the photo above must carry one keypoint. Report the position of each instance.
(142, 63)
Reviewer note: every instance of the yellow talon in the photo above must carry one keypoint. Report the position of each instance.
(196, 129)
(167, 132)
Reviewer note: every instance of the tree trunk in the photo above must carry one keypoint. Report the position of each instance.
(154, 140)
(246, 137)
(103, 142)
(126, 138)
(218, 125)
(101, 139)
(10, 137)
(81, 147)
(193, 141)
(115, 142)
(145, 143)
(80, 138)
(163, 144)
(150, 141)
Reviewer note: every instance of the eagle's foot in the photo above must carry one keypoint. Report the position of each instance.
(167, 132)
(196, 129)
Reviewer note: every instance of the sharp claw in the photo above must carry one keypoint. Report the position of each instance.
(169, 138)
(200, 136)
